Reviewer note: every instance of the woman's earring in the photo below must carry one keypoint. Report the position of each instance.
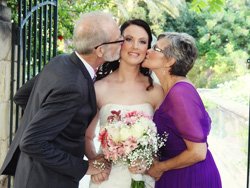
(164, 71)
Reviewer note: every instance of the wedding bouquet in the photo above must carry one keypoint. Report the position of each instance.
(130, 138)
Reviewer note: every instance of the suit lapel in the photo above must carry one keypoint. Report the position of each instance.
(73, 57)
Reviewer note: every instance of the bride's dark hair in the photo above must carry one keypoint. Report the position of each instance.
(108, 67)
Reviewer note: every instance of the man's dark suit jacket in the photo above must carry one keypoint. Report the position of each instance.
(49, 146)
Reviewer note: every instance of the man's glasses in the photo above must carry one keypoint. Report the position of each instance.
(118, 41)
(155, 48)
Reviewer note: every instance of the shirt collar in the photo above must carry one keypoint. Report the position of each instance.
(88, 67)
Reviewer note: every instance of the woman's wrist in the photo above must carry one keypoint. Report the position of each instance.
(162, 166)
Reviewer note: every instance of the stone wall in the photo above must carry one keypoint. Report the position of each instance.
(5, 73)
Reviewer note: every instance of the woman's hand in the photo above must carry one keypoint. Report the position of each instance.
(194, 153)
(155, 170)
(138, 167)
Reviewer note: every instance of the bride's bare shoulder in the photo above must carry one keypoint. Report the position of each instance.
(103, 89)
(105, 83)
(157, 95)
(157, 89)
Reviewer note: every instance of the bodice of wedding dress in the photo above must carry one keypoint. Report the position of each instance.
(120, 176)
(105, 111)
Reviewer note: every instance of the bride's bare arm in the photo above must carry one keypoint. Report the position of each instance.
(90, 150)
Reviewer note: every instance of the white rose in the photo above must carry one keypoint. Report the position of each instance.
(120, 124)
(145, 122)
(114, 133)
(152, 129)
(148, 125)
(125, 133)
(137, 130)
(143, 140)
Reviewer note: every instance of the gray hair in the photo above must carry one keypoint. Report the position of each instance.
(90, 31)
(182, 48)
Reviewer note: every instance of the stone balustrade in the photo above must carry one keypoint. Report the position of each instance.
(228, 140)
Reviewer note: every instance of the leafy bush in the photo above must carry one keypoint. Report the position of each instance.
(223, 43)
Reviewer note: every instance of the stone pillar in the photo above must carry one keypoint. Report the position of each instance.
(5, 74)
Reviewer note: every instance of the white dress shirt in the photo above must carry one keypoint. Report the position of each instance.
(88, 67)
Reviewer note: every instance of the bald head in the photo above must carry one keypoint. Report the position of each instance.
(93, 29)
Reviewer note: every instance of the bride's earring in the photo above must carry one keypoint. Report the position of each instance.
(164, 71)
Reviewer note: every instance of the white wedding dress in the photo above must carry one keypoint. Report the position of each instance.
(120, 176)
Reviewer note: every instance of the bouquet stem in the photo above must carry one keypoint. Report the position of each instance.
(137, 184)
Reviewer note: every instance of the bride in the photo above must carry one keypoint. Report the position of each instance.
(124, 86)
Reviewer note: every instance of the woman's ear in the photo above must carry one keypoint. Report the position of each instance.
(170, 61)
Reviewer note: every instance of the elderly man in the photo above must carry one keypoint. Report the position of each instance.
(60, 103)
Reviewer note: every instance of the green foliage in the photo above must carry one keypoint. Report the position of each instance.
(186, 22)
(221, 52)
(69, 11)
(14, 9)
(139, 13)
(210, 5)
(223, 45)
(156, 23)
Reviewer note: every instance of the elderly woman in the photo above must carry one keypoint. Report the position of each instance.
(185, 160)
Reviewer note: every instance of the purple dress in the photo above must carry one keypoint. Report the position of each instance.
(183, 116)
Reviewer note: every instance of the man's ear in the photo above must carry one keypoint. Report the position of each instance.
(100, 52)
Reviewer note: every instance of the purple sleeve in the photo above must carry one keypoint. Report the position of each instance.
(186, 114)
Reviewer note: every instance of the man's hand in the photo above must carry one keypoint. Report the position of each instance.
(98, 165)
(99, 178)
